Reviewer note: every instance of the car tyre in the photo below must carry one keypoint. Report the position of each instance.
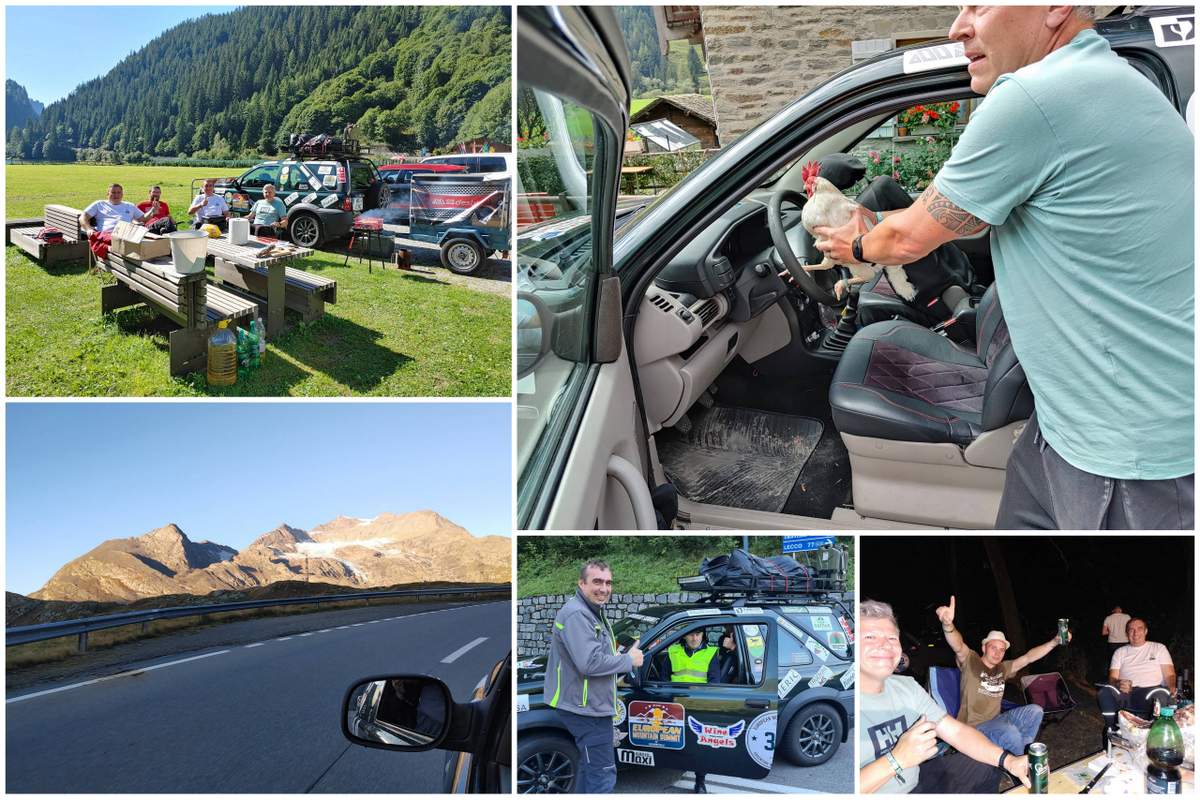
(813, 735)
(305, 230)
(462, 256)
(546, 764)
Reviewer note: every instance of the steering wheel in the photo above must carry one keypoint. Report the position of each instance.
(819, 288)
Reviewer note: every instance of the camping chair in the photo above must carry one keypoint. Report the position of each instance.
(1049, 691)
(945, 687)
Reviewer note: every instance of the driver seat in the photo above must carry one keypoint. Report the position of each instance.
(929, 424)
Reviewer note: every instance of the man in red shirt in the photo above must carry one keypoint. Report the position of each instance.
(154, 208)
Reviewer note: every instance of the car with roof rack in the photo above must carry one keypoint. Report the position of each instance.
(325, 183)
(787, 685)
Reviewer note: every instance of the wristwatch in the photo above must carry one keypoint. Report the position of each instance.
(856, 248)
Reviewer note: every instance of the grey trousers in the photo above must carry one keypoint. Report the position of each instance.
(1043, 492)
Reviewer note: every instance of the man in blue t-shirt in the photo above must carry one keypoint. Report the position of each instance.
(1083, 171)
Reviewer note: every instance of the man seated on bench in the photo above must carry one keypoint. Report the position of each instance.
(210, 208)
(982, 685)
(154, 208)
(99, 219)
(269, 215)
(899, 725)
(1140, 673)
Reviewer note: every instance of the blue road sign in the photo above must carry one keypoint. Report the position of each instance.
(800, 544)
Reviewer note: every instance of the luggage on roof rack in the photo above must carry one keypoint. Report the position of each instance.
(322, 144)
(743, 573)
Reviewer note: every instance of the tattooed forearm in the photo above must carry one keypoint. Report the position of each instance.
(948, 215)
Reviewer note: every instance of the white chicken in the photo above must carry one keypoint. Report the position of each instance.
(827, 206)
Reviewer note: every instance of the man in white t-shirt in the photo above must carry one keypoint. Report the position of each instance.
(1140, 673)
(103, 215)
(210, 208)
(1114, 629)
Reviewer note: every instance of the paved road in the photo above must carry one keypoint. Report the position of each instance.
(256, 717)
(835, 776)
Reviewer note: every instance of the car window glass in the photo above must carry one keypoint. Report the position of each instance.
(728, 654)
(361, 176)
(260, 176)
(556, 282)
(791, 652)
(912, 145)
(492, 165)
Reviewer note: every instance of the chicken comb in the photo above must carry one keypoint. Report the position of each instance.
(810, 171)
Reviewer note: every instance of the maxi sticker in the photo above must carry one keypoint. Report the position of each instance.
(619, 714)
(1174, 31)
(716, 736)
(821, 678)
(788, 682)
(635, 757)
(522, 703)
(656, 724)
(936, 57)
(760, 738)
(847, 679)
(822, 623)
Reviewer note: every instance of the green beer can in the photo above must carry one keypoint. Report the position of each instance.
(1063, 625)
(1039, 768)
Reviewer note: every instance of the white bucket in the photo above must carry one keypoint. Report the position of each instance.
(239, 230)
(188, 251)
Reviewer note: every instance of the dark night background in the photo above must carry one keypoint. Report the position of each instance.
(1079, 577)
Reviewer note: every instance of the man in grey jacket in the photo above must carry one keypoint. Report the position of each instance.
(581, 676)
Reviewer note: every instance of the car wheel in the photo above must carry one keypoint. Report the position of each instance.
(546, 764)
(463, 256)
(305, 230)
(813, 735)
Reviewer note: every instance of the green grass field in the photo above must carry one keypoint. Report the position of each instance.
(391, 333)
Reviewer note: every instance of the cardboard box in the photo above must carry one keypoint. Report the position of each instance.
(129, 239)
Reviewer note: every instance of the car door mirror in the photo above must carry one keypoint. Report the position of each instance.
(534, 332)
(408, 713)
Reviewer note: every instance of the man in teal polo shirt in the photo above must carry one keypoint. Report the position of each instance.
(1083, 170)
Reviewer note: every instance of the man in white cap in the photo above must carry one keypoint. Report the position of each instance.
(982, 685)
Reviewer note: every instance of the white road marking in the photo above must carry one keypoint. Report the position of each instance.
(729, 782)
(112, 677)
(325, 630)
(341, 627)
(283, 638)
(307, 634)
(372, 622)
(450, 659)
(256, 644)
(357, 624)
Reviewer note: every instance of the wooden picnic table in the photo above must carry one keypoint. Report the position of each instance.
(246, 256)
(1123, 777)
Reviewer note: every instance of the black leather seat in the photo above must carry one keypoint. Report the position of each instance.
(900, 381)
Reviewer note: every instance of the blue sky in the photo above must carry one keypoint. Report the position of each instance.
(80, 473)
(52, 49)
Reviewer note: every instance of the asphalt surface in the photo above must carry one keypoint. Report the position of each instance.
(262, 716)
(835, 776)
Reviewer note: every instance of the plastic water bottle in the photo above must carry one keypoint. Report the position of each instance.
(256, 327)
(1164, 751)
(222, 356)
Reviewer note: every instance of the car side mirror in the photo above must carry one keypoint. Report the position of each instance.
(409, 713)
(534, 332)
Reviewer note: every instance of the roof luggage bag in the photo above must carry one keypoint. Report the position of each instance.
(742, 570)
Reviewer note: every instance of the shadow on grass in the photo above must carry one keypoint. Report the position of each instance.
(325, 345)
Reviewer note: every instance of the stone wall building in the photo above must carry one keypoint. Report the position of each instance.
(761, 58)
(535, 615)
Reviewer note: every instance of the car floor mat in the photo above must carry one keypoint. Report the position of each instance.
(739, 457)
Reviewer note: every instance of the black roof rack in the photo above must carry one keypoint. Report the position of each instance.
(754, 587)
(307, 145)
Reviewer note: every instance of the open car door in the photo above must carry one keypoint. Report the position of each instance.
(722, 727)
(581, 463)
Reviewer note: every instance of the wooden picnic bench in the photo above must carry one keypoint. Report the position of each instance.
(241, 268)
(188, 300)
(73, 247)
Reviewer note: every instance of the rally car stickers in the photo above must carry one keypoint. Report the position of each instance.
(291, 198)
(619, 713)
(329, 200)
(638, 757)
(716, 736)
(754, 641)
(822, 623)
(837, 640)
(760, 738)
(528, 663)
(311, 198)
(847, 679)
(847, 629)
(654, 724)
(747, 610)
(937, 57)
(522, 703)
(794, 609)
(702, 612)
(325, 170)
(821, 678)
(817, 649)
(330, 181)
(788, 682)
(1174, 31)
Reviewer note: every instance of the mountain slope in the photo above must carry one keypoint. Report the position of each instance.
(238, 82)
(392, 548)
(19, 110)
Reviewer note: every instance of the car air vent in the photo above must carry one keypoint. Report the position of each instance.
(662, 303)
(707, 311)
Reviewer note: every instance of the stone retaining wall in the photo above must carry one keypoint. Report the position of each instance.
(535, 615)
